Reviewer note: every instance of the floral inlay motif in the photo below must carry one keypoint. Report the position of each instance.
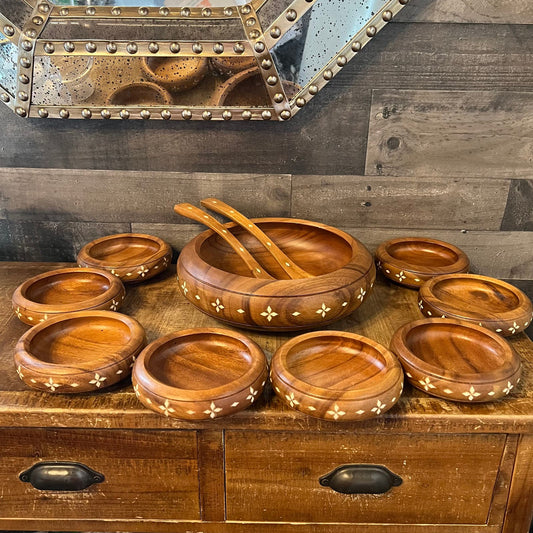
(166, 409)
(323, 310)
(336, 413)
(379, 407)
(426, 383)
(17, 312)
(143, 271)
(217, 304)
(291, 399)
(98, 380)
(471, 394)
(115, 273)
(509, 388)
(252, 395)
(114, 305)
(213, 410)
(184, 288)
(51, 384)
(45, 317)
(19, 372)
(401, 276)
(514, 328)
(269, 313)
(361, 295)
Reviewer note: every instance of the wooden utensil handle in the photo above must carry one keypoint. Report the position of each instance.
(194, 213)
(288, 266)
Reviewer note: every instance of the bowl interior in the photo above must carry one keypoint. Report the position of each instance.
(316, 250)
(67, 287)
(125, 250)
(138, 94)
(85, 342)
(455, 348)
(199, 361)
(170, 68)
(334, 362)
(424, 254)
(478, 296)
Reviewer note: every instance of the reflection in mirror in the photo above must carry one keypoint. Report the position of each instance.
(151, 3)
(8, 65)
(150, 81)
(319, 35)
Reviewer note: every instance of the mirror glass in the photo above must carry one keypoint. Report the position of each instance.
(150, 3)
(319, 36)
(149, 81)
(8, 65)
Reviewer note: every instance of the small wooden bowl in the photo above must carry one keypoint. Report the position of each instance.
(456, 360)
(79, 352)
(215, 280)
(247, 88)
(229, 66)
(64, 291)
(200, 373)
(176, 73)
(481, 300)
(132, 257)
(139, 94)
(410, 261)
(336, 376)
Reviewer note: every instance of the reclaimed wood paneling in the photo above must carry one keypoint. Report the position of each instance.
(53, 241)
(328, 136)
(519, 211)
(125, 196)
(366, 201)
(483, 134)
(499, 254)
(468, 11)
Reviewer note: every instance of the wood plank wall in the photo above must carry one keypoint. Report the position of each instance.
(427, 132)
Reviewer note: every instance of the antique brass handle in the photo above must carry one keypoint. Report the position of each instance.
(361, 479)
(63, 476)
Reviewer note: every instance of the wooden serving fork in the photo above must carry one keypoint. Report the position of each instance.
(289, 267)
(194, 213)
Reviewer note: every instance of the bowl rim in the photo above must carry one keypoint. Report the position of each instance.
(37, 365)
(399, 347)
(202, 64)
(154, 386)
(462, 264)
(523, 309)
(85, 256)
(116, 287)
(254, 286)
(387, 378)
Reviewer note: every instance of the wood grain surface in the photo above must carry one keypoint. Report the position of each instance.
(270, 477)
(435, 133)
(464, 11)
(387, 309)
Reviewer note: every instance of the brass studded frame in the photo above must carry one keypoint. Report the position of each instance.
(258, 42)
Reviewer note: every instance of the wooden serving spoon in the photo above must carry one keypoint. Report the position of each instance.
(292, 270)
(194, 213)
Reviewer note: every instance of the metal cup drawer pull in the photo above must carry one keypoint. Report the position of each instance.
(61, 476)
(361, 479)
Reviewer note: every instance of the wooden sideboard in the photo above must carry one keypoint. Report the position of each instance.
(465, 467)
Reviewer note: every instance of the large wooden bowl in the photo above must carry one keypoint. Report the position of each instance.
(200, 373)
(456, 360)
(410, 261)
(481, 300)
(64, 291)
(336, 376)
(132, 257)
(214, 279)
(79, 352)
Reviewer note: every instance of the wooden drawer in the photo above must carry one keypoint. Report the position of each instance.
(148, 474)
(447, 479)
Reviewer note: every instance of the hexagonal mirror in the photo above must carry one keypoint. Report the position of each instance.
(178, 59)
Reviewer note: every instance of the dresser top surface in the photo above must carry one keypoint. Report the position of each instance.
(158, 305)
